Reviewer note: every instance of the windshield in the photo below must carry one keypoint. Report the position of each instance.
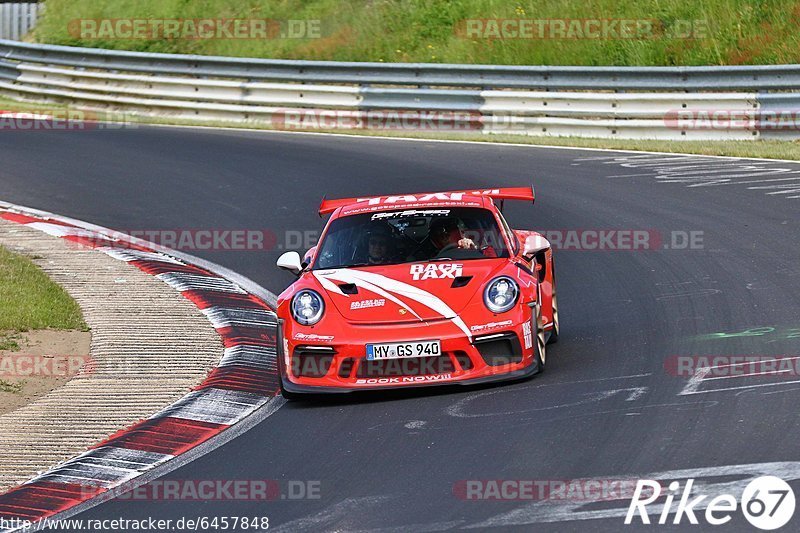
(393, 237)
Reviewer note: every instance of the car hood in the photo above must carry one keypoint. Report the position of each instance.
(407, 292)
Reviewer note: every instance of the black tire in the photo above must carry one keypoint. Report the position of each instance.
(539, 341)
(556, 324)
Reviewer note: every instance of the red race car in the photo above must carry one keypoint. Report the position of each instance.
(418, 289)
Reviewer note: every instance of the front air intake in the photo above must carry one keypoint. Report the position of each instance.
(499, 349)
(312, 361)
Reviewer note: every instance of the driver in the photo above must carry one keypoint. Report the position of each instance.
(446, 234)
(379, 246)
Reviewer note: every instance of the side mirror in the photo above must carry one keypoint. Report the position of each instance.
(290, 261)
(533, 245)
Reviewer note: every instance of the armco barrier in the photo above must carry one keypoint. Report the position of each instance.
(625, 102)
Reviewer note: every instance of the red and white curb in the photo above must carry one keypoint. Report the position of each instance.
(245, 380)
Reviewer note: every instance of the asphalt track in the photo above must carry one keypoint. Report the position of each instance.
(606, 408)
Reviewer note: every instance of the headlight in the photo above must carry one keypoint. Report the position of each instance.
(501, 294)
(307, 307)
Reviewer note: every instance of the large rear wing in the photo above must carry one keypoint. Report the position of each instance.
(507, 193)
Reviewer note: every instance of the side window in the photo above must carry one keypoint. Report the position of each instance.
(511, 237)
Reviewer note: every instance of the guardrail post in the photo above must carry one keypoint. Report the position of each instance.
(15, 22)
(5, 21)
(17, 19)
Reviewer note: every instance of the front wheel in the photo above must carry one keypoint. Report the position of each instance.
(556, 326)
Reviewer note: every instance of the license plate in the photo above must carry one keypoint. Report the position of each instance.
(401, 350)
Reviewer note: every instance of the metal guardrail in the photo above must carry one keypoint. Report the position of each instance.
(17, 19)
(634, 102)
(418, 74)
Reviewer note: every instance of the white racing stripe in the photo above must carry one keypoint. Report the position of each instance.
(371, 281)
(329, 285)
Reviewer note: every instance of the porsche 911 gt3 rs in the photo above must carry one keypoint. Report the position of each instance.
(417, 289)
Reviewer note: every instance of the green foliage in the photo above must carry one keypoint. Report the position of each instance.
(729, 31)
(6, 386)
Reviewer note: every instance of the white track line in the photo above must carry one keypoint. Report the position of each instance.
(749, 375)
(727, 389)
(762, 361)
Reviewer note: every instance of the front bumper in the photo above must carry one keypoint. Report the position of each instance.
(340, 365)
(524, 373)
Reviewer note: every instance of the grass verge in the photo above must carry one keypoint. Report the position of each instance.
(659, 32)
(29, 300)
